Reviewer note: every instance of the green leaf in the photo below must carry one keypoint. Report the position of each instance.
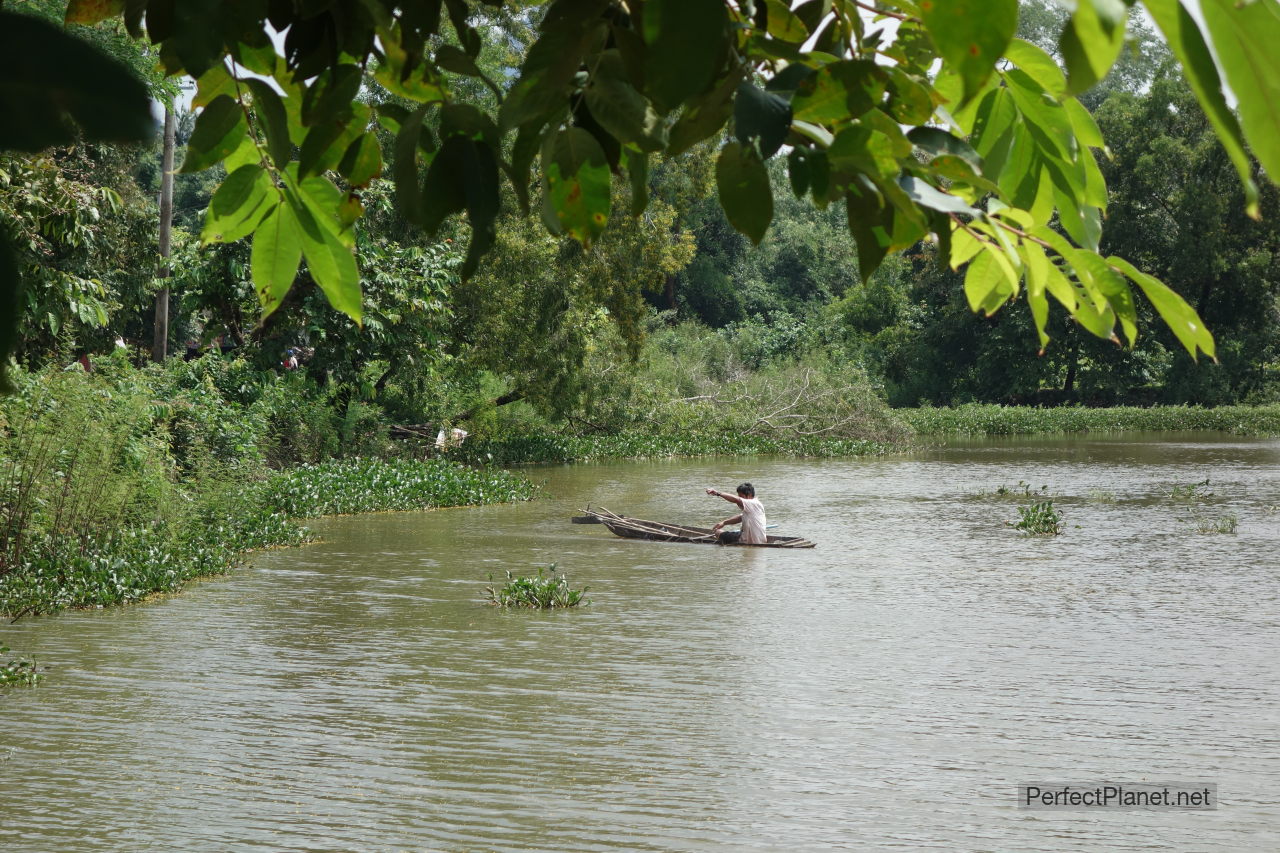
(330, 97)
(927, 196)
(910, 99)
(1046, 118)
(871, 223)
(317, 146)
(468, 120)
(703, 116)
(528, 141)
(638, 175)
(1095, 273)
(798, 171)
(362, 161)
(620, 109)
(277, 249)
(549, 68)
(48, 77)
(196, 42)
(860, 149)
(212, 83)
(937, 142)
(405, 168)
(480, 183)
(840, 92)
(1091, 43)
(236, 208)
(1086, 129)
(1039, 65)
(271, 113)
(1247, 39)
(783, 23)
(1037, 267)
(762, 117)
(683, 39)
(745, 194)
(578, 184)
(443, 193)
(971, 35)
(1181, 318)
(327, 204)
(1188, 45)
(219, 130)
(990, 281)
(332, 264)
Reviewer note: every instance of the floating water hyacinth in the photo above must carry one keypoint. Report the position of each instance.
(543, 591)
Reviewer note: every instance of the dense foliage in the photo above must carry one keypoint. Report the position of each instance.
(996, 162)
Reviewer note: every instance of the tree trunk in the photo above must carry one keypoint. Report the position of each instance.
(1074, 359)
(160, 342)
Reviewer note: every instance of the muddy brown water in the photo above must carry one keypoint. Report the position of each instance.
(887, 690)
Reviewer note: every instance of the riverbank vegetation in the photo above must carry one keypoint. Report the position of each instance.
(973, 419)
(125, 482)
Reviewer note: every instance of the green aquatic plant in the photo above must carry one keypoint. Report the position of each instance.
(1022, 490)
(985, 419)
(1191, 491)
(379, 485)
(1102, 497)
(1222, 524)
(543, 591)
(18, 671)
(1039, 519)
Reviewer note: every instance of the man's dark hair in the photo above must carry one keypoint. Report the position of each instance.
(747, 490)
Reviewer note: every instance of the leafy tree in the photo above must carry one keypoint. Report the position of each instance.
(996, 151)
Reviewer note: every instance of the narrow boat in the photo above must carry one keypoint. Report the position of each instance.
(657, 531)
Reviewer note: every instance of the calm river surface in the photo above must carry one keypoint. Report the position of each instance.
(887, 690)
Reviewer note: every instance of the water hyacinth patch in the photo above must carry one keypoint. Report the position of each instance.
(375, 485)
(18, 671)
(561, 448)
(223, 524)
(1039, 519)
(977, 419)
(543, 591)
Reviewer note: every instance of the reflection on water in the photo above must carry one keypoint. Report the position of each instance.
(888, 689)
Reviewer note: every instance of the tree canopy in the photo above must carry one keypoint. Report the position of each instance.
(926, 120)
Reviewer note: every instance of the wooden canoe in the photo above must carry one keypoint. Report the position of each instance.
(657, 531)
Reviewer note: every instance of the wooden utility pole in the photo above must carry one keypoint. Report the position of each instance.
(160, 344)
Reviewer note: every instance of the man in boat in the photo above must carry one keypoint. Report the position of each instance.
(751, 518)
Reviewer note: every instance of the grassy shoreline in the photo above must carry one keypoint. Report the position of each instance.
(137, 561)
(976, 419)
(553, 448)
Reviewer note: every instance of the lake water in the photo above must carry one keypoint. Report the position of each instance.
(886, 690)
